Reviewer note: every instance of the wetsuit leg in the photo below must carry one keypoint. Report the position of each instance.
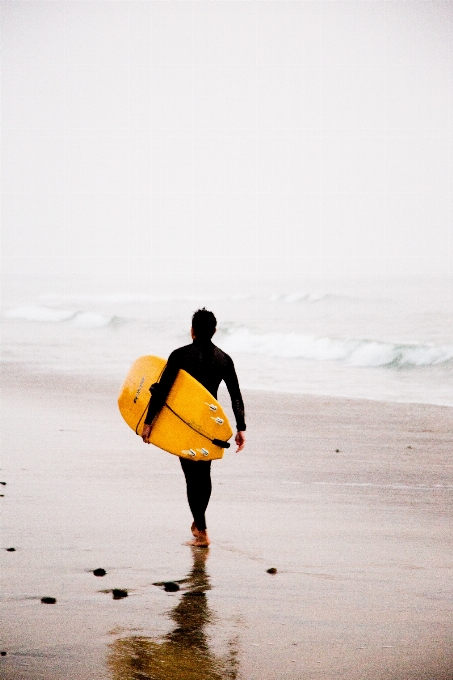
(198, 481)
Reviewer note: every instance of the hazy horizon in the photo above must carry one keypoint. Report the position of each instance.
(217, 139)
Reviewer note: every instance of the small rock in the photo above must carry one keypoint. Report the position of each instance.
(99, 572)
(409, 447)
(10, 549)
(48, 600)
(337, 450)
(4, 483)
(2, 653)
(272, 570)
(118, 593)
(171, 587)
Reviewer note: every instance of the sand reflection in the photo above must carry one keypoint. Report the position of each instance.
(184, 653)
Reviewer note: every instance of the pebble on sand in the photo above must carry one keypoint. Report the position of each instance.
(171, 587)
(272, 570)
(10, 549)
(337, 450)
(118, 593)
(99, 572)
(2, 653)
(48, 600)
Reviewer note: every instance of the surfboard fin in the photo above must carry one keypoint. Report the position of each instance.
(219, 442)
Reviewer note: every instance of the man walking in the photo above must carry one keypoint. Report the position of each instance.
(209, 365)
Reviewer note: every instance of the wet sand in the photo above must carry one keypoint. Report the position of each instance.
(350, 500)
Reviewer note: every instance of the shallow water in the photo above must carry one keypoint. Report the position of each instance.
(386, 340)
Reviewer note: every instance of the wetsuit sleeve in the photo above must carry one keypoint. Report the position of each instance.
(237, 403)
(160, 394)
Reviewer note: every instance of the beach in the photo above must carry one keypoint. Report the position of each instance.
(350, 500)
(285, 166)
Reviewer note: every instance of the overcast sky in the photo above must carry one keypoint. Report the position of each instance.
(311, 137)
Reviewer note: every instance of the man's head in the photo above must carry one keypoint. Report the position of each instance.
(203, 324)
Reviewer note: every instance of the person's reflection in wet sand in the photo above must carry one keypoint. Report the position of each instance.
(182, 654)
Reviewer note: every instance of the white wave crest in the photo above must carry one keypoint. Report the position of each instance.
(79, 319)
(40, 314)
(303, 297)
(121, 298)
(90, 320)
(296, 297)
(140, 297)
(354, 352)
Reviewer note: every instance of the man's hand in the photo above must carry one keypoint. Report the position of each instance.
(240, 441)
(146, 432)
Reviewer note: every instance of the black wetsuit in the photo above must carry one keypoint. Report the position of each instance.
(209, 365)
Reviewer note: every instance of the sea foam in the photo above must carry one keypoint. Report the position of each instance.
(80, 319)
(91, 320)
(356, 352)
(40, 314)
(300, 297)
(121, 298)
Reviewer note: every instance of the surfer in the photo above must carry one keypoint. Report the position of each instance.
(209, 365)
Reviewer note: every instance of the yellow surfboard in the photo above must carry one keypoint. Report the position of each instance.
(191, 424)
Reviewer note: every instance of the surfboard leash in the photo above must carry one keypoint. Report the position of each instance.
(216, 442)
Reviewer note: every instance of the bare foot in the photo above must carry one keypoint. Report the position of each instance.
(201, 540)
(194, 530)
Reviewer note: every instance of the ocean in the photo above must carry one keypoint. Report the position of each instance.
(383, 339)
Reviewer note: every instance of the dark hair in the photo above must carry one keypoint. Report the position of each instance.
(204, 324)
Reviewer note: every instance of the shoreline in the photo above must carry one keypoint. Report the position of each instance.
(342, 396)
(19, 369)
(350, 500)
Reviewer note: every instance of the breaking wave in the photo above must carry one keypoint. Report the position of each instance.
(355, 352)
(301, 297)
(39, 314)
(80, 319)
(91, 320)
(195, 298)
(139, 297)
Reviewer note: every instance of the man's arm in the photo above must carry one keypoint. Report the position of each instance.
(237, 403)
(160, 394)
